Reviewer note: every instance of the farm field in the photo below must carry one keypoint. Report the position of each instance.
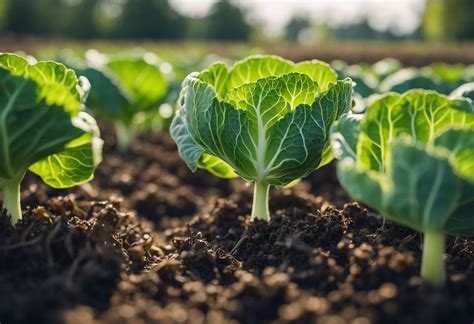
(159, 220)
(411, 53)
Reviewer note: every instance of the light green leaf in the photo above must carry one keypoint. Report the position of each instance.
(410, 78)
(420, 114)
(216, 76)
(107, 98)
(59, 85)
(363, 185)
(253, 68)
(216, 166)
(257, 67)
(16, 64)
(73, 166)
(327, 157)
(460, 146)
(448, 73)
(461, 222)
(36, 124)
(412, 161)
(144, 81)
(319, 71)
(30, 130)
(270, 99)
(268, 123)
(217, 127)
(344, 136)
(126, 90)
(420, 176)
(56, 84)
(298, 142)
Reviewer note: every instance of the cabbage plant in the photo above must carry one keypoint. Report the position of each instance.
(411, 78)
(466, 90)
(411, 157)
(125, 90)
(43, 128)
(264, 119)
(438, 77)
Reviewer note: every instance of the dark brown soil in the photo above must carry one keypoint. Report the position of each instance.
(192, 255)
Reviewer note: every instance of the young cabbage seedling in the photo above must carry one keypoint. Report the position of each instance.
(126, 91)
(43, 128)
(265, 119)
(411, 158)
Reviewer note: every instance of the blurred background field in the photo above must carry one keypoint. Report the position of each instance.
(417, 32)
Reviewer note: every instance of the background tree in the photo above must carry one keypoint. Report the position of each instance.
(449, 20)
(295, 26)
(83, 22)
(20, 16)
(150, 19)
(32, 17)
(226, 22)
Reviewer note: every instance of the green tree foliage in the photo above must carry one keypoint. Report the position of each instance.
(83, 22)
(449, 20)
(364, 31)
(150, 19)
(20, 17)
(51, 18)
(84, 19)
(226, 22)
(295, 26)
(133, 19)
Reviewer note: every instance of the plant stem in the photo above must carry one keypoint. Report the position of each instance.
(260, 201)
(125, 135)
(11, 193)
(432, 265)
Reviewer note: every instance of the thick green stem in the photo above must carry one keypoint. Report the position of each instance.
(432, 266)
(11, 193)
(125, 135)
(260, 201)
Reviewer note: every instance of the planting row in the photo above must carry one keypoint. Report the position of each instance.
(270, 121)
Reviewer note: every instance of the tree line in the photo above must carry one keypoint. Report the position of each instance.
(124, 19)
(157, 19)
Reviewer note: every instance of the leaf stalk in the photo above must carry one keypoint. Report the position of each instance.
(432, 264)
(11, 193)
(125, 136)
(260, 208)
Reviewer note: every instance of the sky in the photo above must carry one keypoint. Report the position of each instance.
(400, 16)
